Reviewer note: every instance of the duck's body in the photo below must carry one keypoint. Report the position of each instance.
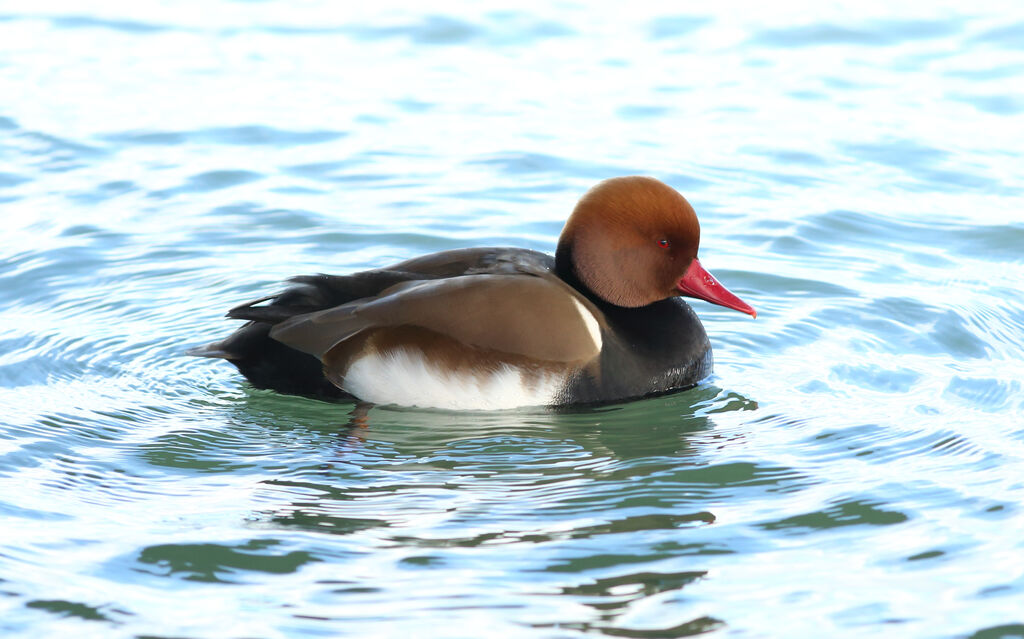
(492, 328)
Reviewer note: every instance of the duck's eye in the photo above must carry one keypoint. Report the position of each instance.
(664, 244)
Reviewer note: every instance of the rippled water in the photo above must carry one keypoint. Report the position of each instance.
(855, 466)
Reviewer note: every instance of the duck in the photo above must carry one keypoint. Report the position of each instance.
(493, 328)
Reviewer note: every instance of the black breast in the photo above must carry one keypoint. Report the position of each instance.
(649, 350)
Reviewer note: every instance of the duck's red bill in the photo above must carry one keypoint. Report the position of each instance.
(697, 282)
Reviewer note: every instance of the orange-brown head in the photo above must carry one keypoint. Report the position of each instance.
(633, 241)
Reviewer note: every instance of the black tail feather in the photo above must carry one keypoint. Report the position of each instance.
(272, 314)
(213, 350)
(267, 363)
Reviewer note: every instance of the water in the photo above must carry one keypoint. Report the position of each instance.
(854, 467)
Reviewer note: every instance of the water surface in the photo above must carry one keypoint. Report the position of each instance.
(855, 466)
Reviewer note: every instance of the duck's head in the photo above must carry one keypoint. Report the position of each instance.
(633, 241)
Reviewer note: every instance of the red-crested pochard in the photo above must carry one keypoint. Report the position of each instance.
(493, 328)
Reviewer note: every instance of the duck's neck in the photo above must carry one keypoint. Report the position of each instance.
(566, 271)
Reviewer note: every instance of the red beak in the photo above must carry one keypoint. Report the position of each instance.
(697, 282)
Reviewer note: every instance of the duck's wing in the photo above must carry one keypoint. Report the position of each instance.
(478, 261)
(536, 317)
(310, 293)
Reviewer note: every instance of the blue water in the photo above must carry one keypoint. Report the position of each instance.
(855, 466)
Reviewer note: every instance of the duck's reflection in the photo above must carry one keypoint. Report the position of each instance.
(607, 506)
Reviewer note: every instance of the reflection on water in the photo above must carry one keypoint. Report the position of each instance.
(855, 458)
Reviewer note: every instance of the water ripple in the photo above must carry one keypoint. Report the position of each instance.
(252, 135)
(866, 204)
(880, 33)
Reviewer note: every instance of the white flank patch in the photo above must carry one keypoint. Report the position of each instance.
(592, 326)
(405, 378)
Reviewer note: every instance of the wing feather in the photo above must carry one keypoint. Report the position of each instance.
(537, 317)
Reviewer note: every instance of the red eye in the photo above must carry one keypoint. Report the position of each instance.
(664, 244)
